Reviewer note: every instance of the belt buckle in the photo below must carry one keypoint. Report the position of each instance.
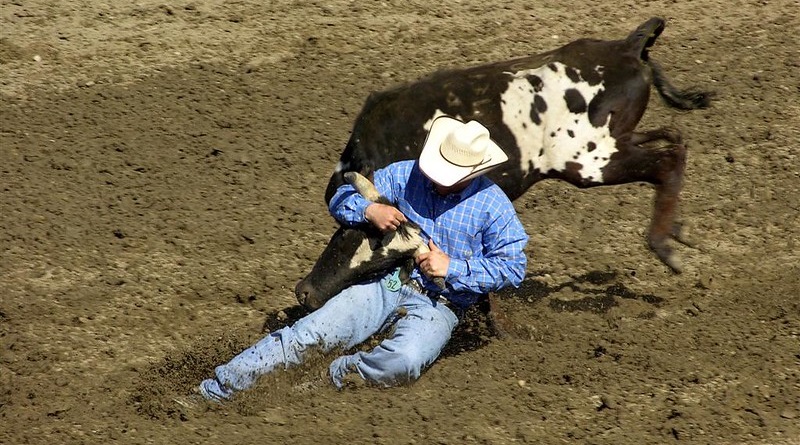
(414, 284)
(436, 298)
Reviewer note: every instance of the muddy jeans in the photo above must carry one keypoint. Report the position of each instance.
(419, 329)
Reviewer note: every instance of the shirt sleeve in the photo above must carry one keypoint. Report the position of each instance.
(503, 263)
(348, 206)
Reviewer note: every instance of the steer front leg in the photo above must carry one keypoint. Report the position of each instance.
(497, 317)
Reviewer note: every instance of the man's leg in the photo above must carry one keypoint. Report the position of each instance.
(417, 340)
(345, 320)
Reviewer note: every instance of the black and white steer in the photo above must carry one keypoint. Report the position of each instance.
(568, 114)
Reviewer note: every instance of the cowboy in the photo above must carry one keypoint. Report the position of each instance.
(476, 244)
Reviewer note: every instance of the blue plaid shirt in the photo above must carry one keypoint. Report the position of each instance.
(477, 228)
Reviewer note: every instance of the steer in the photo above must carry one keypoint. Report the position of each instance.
(358, 253)
(567, 114)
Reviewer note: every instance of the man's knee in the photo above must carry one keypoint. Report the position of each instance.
(395, 368)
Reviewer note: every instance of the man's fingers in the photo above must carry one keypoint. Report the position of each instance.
(425, 265)
(384, 217)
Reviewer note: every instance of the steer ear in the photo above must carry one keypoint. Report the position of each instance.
(362, 185)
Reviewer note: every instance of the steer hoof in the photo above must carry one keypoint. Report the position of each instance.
(679, 235)
(668, 256)
(674, 262)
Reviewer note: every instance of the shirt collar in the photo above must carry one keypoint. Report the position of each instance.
(430, 187)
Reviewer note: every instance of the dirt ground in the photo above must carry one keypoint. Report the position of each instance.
(162, 166)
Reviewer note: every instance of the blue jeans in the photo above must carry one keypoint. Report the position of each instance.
(421, 329)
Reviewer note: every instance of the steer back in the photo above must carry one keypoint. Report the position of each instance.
(606, 82)
(358, 253)
(568, 114)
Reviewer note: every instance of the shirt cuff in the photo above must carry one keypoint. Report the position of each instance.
(457, 268)
(360, 208)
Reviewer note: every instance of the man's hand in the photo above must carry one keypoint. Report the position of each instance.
(385, 217)
(434, 263)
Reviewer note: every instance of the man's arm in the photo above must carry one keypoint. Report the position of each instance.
(350, 208)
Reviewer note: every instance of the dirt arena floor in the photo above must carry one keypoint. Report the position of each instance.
(162, 166)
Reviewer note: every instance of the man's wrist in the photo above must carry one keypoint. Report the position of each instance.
(361, 209)
(457, 268)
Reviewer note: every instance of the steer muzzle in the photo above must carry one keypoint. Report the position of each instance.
(308, 296)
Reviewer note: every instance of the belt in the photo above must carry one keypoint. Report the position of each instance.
(414, 284)
(433, 295)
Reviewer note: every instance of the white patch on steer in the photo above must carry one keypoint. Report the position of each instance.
(394, 244)
(397, 244)
(562, 136)
(362, 255)
(437, 113)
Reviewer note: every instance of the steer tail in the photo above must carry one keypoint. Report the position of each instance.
(675, 98)
(639, 42)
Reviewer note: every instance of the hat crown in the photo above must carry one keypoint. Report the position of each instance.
(466, 146)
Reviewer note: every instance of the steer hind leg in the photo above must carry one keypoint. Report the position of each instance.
(663, 167)
(674, 137)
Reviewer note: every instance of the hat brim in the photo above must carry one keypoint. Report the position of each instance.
(442, 172)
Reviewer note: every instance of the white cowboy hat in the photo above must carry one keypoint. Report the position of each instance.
(456, 151)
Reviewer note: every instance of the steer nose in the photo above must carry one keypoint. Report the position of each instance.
(306, 296)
